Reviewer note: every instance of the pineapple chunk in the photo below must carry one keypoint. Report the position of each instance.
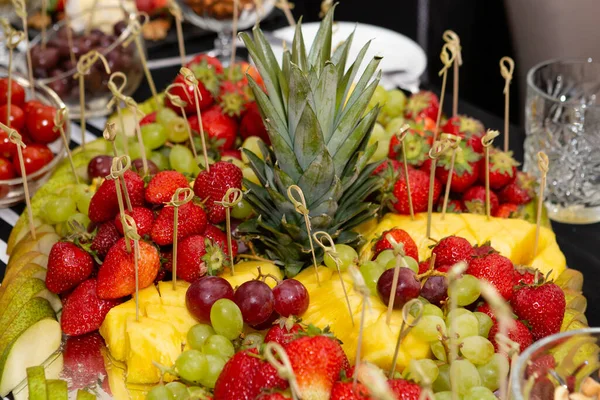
(171, 297)
(179, 317)
(113, 327)
(248, 270)
(150, 340)
(120, 390)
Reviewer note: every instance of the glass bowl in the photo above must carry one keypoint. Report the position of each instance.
(106, 36)
(576, 357)
(11, 190)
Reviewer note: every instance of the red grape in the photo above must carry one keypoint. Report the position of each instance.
(40, 124)
(203, 293)
(435, 289)
(408, 286)
(268, 323)
(7, 170)
(256, 301)
(138, 166)
(17, 117)
(99, 166)
(35, 156)
(17, 94)
(291, 298)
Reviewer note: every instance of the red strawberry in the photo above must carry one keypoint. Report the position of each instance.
(349, 391)
(483, 250)
(196, 256)
(466, 168)
(524, 276)
(474, 200)
(497, 270)
(253, 125)
(104, 204)
(166, 258)
(424, 266)
(518, 334)
(163, 185)
(219, 238)
(232, 99)
(212, 185)
(143, 217)
(542, 306)
(317, 362)
(519, 192)
(148, 119)
(419, 187)
(503, 169)
(451, 250)
(206, 61)
(83, 311)
(401, 236)
(417, 148)
(422, 104)
(540, 365)
(205, 99)
(106, 236)
(388, 163)
(219, 127)
(463, 125)
(191, 221)
(83, 361)
(272, 396)
(283, 331)
(232, 153)
(444, 268)
(454, 206)
(405, 390)
(486, 309)
(116, 277)
(68, 266)
(474, 142)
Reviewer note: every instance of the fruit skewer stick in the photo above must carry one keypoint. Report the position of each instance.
(21, 11)
(44, 16)
(136, 36)
(278, 358)
(110, 134)
(117, 170)
(329, 249)
(406, 326)
(84, 66)
(175, 11)
(453, 40)
(401, 136)
(179, 102)
(507, 67)
(133, 107)
(15, 138)
(234, 29)
(285, 6)
(67, 20)
(301, 208)
(399, 253)
(439, 147)
(13, 38)
(117, 92)
(131, 233)
(453, 275)
(228, 202)
(190, 79)
(180, 197)
(374, 379)
(60, 119)
(447, 57)
(486, 142)
(362, 289)
(455, 147)
(543, 165)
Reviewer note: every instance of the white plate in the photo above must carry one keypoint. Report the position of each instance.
(399, 52)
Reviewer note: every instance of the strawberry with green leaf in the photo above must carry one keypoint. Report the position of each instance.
(422, 104)
(520, 191)
(542, 306)
(463, 126)
(466, 168)
(503, 169)
(417, 148)
(474, 200)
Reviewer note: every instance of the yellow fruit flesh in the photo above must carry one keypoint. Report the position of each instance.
(248, 270)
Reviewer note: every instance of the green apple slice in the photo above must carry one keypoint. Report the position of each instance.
(57, 389)
(36, 382)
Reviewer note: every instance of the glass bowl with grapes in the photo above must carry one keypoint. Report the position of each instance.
(32, 113)
(107, 30)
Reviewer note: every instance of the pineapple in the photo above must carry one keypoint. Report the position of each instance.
(179, 317)
(248, 270)
(170, 297)
(319, 142)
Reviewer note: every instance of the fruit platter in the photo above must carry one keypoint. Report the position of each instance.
(293, 231)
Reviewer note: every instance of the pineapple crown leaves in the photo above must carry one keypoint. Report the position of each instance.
(465, 157)
(319, 129)
(502, 162)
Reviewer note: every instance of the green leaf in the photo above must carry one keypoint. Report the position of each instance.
(268, 112)
(282, 180)
(257, 165)
(284, 78)
(300, 95)
(325, 100)
(327, 207)
(260, 198)
(340, 54)
(298, 48)
(281, 202)
(358, 135)
(295, 230)
(321, 222)
(335, 192)
(286, 157)
(357, 196)
(320, 51)
(317, 179)
(308, 139)
(348, 78)
(362, 217)
(271, 62)
(359, 92)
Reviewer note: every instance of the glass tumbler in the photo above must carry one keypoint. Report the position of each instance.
(563, 120)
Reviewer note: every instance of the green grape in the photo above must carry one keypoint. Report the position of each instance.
(485, 323)
(430, 309)
(201, 162)
(191, 365)
(178, 390)
(160, 392)
(218, 345)
(464, 376)
(198, 334)
(467, 290)
(77, 219)
(385, 257)
(446, 395)
(477, 349)
(242, 210)
(378, 134)
(154, 135)
(479, 393)
(252, 340)
(252, 143)
(371, 271)
(164, 115)
(74, 191)
(427, 328)
(491, 372)
(226, 318)
(379, 97)
(235, 161)
(182, 159)
(394, 125)
(422, 371)
(395, 103)
(59, 209)
(442, 383)
(249, 174)
(177, 130)
(197, 392)
(411, 262)
(346, 255)
(464, 325)
(455, 313)
(161, 160)
(134, 150)
(83, 202)
(215, 366)
(439, 351)
(382, 150)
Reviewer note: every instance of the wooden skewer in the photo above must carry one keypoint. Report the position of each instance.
(190, 79)
(228, 202)
(118, 96)
(438, 148)
(282, 365)
(44, 15)
(284, 5)
(401, 136)
(406, 326)
(455, 147)
(21, 11)
(110, 134)
(362, 289)
(447, 56)
(177, 201)
(62, 117)
(131, 233)
(454, 41)
(301, 208)
(179, 102)
(507, 67)
(486, 142)
(13, 38)
(399, 254)
(177, 15)
(543, 165)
